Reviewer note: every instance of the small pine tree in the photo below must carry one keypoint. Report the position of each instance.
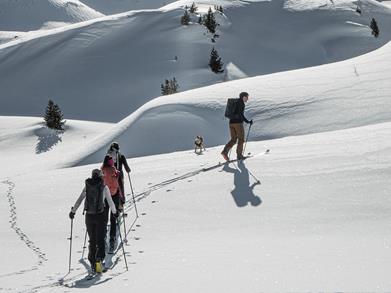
(215, 62)
(358, 9)
(53, 116)
(193, 8)
(185, 19)
(375, 28)
(210, 21)
(169, 87)
(219, 8)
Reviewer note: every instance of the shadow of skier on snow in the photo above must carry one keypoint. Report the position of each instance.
(243, 193)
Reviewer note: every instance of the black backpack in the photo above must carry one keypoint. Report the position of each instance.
(93, 203)
(232, 109)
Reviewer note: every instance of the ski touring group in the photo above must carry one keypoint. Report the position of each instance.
(104, 193)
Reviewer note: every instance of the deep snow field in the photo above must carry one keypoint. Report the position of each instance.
(310, 215)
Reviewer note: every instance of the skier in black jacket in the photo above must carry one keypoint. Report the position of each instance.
(236, 128)
(119, 161)
(94, 195)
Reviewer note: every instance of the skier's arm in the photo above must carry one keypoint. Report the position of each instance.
(241, 111)
(125, 163)
(79, 200)
(107, 195)
(244, 118)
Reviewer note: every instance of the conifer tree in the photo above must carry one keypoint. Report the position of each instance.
(169, 87)
(210, 21)
(185, 19)
(375, 28)
(215, 63)
(53, 116)
(219, 8)
(193, 8)
(358, 9)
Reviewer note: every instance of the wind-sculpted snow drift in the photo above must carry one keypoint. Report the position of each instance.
(105, 69)
(341, 95)
(29, 15)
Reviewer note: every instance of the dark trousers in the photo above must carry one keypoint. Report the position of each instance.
(237, 134)
(121, 186)
(113, 220)
(96, 229)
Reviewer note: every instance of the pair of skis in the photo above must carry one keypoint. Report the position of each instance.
(249, 155)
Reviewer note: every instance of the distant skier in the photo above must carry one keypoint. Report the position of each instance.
(94, 195)
(110, 179)
(235, 113)
(119, 161)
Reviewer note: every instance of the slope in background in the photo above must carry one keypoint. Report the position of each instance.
(110, 68)
(28, 15)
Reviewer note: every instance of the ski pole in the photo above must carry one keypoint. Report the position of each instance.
(84, 245)
(70, 247)
(248, 132)
(123, 218)
(134, 201)
(122, 244)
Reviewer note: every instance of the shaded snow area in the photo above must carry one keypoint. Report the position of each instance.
(113, 65)
(307, 211)
(341, 95)
(28, 15)
(117, 6)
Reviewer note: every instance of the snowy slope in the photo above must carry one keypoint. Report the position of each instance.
(27, 15)
(28, 146)
(318, 221)
(117, 6)
(124, 58)
(341, 95)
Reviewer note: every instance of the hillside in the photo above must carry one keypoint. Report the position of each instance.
(117, 6)
(335, 96)
(112, 66)
(322, 200)
(28, 15)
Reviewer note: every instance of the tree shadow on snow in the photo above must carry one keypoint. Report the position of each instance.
(47, 139)
(243, 193)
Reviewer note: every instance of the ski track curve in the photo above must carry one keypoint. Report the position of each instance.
(22, 236)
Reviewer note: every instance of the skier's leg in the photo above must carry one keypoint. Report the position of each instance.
(240, 134)
(113, 223)
(100, 237)
(90, 223)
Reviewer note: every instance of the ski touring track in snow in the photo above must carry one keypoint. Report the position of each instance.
(79, 280)
(157, 186)
(22, 236)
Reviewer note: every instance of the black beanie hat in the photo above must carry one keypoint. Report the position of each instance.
(243, 94)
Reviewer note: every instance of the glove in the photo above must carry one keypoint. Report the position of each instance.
(71, 215)
(251, 122)
(116, 215)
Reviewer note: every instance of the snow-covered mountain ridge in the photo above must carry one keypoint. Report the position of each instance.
(129, 55)
(28, 15)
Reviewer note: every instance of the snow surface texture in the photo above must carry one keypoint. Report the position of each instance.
(341, 95)
(125, 58)
(117, 6)
(311, 215)
(27, 15)
(317, 221)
